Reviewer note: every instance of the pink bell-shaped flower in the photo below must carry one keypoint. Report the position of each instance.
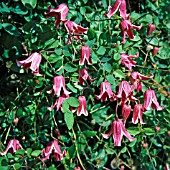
(58, 102)
(85, 55)
(53, 148)
(125, 92)
(105, 92)
(118, 130)
(59, 84)
(126, 109)
(137, 114)
(32, 62)
(151, 28)
(127, 61)
(126, 27)
(83, 76)
(73, 29)
(155, 51)
(119, 4)
(59, 13)
(13, 146)
(150, 100)
(136, 79)
(82, 107)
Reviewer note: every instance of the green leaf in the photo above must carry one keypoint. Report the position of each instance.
(117, 56)
(149, 131)
(20, 152)
(133, 130)
(118, 73)
(69, 68)
(72, 101)
(107, 67)
(54, 58)
(74, 90)
(69, 119)
(132, 143)
(94, 58)
(123, 150)
(110, 78)
(91, 33)
(89, 133)
(36, 153)
(30, 4)
(11, 29)
(19, 9)
(17, 165)
(4, 8)
(101, 50)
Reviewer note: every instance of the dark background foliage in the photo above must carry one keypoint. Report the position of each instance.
(25, 29)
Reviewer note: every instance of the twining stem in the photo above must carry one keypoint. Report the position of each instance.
(78, 156)
(7, 134)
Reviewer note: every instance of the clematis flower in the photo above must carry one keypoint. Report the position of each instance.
(155, 51)
(59, 13)
(136, 78)
(151, 28)
(59, 84)
(32, 62)
(77, 168)
(105, 91)
(127, 61)
(53, 148)
(125, 92)
(126, 27)
(13, 146)
(82, 107)
(150, 100)
(83, 76)
(58, 102)
(85, 55)
(118, 130)
(126, 109)
(73, 29)
(137, 114)
(119, 4)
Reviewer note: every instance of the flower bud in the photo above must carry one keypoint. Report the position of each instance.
(169, 133)
(145, 145)
(15, 121)
(155, 51)
(157, 128)
(151, 28)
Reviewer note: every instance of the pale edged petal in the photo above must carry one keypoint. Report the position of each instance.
(113, 9)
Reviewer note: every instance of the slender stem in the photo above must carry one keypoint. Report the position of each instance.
(7, 134)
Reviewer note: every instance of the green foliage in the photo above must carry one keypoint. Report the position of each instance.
(25, 29)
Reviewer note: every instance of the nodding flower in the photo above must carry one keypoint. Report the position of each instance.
(118, 130)
(32, 62)
(82, 107)
(59, 13)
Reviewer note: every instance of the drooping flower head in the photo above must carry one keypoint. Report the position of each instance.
(119, 4)
(126, 109)
(59, 84)
(127, 61)
(59, 13)
(136, 79)
(73, 29)
(58, 102)
(32, 62)
(155, 51)
(105, 92)
(82, 107)
(125, 92)
(118, 130)
(150, 100)
(85, 55)
(137, 114)
(53, 148)
(83, 76)
(126, 27)
(13, 146)
(151, 28)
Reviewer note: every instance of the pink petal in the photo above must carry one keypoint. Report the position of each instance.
(114, 8)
